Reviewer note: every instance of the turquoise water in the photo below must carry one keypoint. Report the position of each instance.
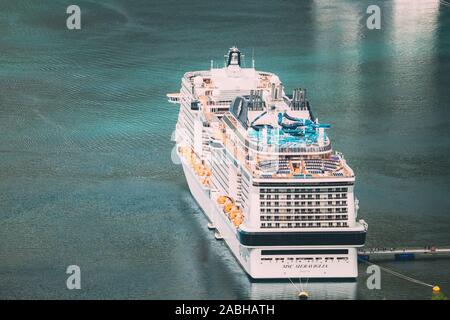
(85, 170)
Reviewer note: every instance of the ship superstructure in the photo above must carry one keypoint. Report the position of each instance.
(263, 170)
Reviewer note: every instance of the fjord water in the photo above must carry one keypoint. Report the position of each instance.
(86, 176)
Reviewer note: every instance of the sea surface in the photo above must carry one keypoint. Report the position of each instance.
(86, 176)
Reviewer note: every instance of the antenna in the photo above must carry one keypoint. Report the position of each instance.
(253, 58)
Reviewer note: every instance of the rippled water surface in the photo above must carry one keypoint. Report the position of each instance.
(85, 170)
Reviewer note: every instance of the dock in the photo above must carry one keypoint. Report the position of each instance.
(402, 254)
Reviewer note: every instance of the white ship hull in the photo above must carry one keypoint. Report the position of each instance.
(251, 258)
(262, 169)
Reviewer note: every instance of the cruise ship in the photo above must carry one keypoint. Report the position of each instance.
(262, 169)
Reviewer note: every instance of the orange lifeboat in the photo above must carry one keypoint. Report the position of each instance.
(237, 222)
(234, 212)
(221, 200)
(228, 207)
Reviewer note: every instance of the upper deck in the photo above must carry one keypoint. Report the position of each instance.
(273, 134)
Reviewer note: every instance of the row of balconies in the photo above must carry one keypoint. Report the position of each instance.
(309, 149)
(303, 204)
(303, 190)
(303, 196)
(304, 218)
(304, 211)
(304, 225)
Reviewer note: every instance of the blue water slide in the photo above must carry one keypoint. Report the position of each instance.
(258, 127)
(298, 122)
(300, 127)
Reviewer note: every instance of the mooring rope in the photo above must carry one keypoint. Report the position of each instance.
(294, 285)
(394, 273)
(301, 285)
(397, 274)
(306, 284)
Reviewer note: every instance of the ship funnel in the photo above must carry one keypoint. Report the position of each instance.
(298, 99)
(276, 90)
(255, 100)
(233, 58)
